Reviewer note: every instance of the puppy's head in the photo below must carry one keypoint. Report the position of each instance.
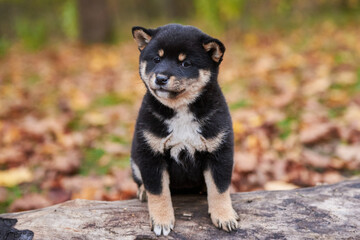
(177, 62)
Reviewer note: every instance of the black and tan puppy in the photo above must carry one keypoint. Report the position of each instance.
(183, 137)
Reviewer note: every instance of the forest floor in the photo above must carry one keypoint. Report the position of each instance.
(67, 114)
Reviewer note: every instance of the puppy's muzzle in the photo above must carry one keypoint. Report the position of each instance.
(161, 80)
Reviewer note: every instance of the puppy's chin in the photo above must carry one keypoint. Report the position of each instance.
(162, 94)
(167, 94)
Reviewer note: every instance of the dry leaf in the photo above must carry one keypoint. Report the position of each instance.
(96, 118)
(316, 132)
(115, 148)
(245, 162)
(316, 86)
(279, 185)
(89, 193)
(3, 194)
(315, 159)
(68, 162)
(11, 154)
(15, 176)
(29, 202)
(348, 152)
(332, 177)
(58, 195)
(345, 77)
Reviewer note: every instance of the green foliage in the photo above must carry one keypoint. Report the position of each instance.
(69, 17)
(13, 193)
(286, 127)
(284, 7)
(231, 10)
(240, 104)
(217, 14)
(357, 85)
(118, 139)
(122, 162)
(336, 112)
(76, 123)
(110, 99)
(90, 162)
(207, 10)
(4, 46)
(32, 33)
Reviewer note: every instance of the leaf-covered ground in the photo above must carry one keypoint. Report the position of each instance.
(67, 114)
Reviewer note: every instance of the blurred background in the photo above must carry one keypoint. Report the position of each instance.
(70, 93)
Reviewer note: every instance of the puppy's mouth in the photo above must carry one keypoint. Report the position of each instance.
(164, 93)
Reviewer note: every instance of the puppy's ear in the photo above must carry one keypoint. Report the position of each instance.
(142, 36)
(215, 48)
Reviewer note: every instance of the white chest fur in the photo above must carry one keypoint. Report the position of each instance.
(185, 133)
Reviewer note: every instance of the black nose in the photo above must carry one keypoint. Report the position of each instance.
(161, 80)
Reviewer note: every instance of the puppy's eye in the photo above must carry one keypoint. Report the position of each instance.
(186, 64)
(157, 59)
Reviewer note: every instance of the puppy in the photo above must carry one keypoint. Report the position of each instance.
(183, 137)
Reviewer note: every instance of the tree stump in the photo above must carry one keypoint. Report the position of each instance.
(322, 212)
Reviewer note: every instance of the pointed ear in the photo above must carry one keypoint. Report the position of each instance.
(215, 48)
(142, 36)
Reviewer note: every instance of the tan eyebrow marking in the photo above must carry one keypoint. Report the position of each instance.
(161, 52)
(182, 57)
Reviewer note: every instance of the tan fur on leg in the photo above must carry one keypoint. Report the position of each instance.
(222, 213)
(161, 210)
(141, 194)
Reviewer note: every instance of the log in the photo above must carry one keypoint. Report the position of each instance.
(322, 212)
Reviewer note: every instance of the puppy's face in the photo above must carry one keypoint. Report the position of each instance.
(177, 62)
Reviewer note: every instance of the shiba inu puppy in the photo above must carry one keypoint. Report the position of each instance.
(183, 137)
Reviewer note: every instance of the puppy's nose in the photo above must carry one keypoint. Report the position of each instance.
(161, 80)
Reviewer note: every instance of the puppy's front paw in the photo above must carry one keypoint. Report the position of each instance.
(224, 218)
(162, 223)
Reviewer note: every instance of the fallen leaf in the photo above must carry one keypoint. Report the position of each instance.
(115, 148)
(96, 118)
(29, 202)
(3, 194)
(245, 161)
(316, 132)
(279, 185)
(316, 86)
(345, 77)
(11, 135)
(348, 152)
(91, 187)
(128, 189)
(67, 162)
(332, 177)
(15, 176)
(315, 159)
(11, 154)
(337, 98)
(89, 193)
(78, 99)
(264, 64)
(58, 195)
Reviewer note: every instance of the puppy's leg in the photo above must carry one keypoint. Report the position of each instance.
(161, 211)
(141, 193)
(221, 211)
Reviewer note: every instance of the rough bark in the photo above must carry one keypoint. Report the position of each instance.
(322, 212)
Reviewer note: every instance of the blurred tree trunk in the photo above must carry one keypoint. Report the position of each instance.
(95, 21)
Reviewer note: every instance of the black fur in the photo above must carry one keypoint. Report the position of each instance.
(209, 109)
